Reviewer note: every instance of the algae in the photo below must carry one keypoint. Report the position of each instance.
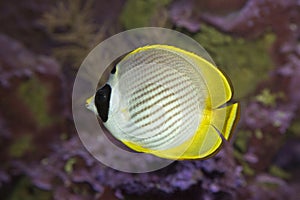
(277, 171)
(240, 148)
(69, 165)
(267, 98)
(269, 185)
(63, 136)
(277, 122)
(245, 62)
(33, 93)
(138, 13)
(71, 25)
(26, 191)
(241, 140)
(295, 127)
(21, 146)
(258, 134)
(246, 169)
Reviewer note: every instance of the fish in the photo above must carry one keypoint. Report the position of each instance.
(167, 101)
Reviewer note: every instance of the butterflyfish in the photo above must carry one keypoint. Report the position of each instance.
(168, 102)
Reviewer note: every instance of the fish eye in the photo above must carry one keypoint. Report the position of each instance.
(102, 99)
(101, 96)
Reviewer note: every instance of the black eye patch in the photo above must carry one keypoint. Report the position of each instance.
(102, 98)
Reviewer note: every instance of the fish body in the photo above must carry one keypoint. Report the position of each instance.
(168, 102)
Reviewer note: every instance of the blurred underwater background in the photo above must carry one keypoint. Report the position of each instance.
(42, 44)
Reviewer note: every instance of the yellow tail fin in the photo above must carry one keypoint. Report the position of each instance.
(225, 118)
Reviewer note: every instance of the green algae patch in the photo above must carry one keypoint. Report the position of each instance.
(139, 13)
(246, 168)
(21, 146)
(24, 190)
(69, 165)
(269, 185)
(258, 134)
(295, 127)
(240, 148)
(245, 62)
(278, 172)
(267, 98)
(241, 140)
(33, 93)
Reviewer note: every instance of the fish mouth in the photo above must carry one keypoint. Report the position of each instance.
(90, 102)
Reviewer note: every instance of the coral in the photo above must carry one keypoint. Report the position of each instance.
(267, 126)
(241, 64)
(269, 187)
(277, 171)
(42, 157)
(21, 146)
(70, 25)
(34, 94)
(260, 16)
(267, 98)
(29, 106)
(182, 15)
(270, 113)
(72, 166)
(19, 20)
(140, 13)
(22, 191)
(253, 12)
(33, 82)
(188, 13)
